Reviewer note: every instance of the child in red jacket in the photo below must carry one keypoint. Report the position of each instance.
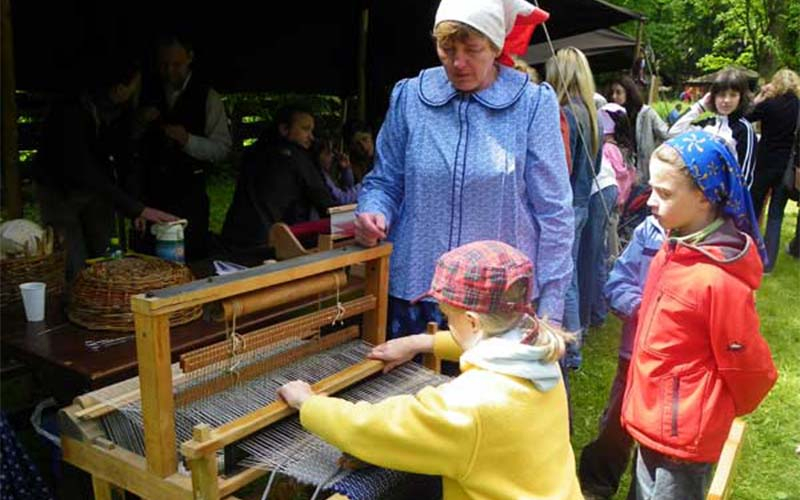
(698, 359)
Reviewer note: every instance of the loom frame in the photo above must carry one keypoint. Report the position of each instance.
(155, 475)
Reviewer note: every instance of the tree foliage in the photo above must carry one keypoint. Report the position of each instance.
(698, 36)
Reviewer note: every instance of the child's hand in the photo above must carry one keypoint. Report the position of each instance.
(398, 351)
(295, 393)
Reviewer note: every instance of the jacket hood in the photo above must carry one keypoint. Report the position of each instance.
(728, 247)
(505, 354)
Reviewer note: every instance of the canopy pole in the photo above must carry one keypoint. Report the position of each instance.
(8, 140)
(362, 65)
(638, 50)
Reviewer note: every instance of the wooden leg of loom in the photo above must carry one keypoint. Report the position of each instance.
(103, 490)
(374, 330)
(430, 361)
(155, 381)
(204, 469)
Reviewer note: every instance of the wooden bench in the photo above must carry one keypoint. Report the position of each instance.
(721, 483)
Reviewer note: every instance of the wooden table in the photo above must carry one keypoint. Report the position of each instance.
(55, 348)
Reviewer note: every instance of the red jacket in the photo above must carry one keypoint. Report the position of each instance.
(698, 358)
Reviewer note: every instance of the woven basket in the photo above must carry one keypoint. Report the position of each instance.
(101, 296)
(48, 269)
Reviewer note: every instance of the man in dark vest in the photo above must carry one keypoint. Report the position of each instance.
(84, 164)
(186, 130)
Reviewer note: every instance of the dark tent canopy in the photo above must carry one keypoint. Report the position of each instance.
(606, 49)
(306, 47)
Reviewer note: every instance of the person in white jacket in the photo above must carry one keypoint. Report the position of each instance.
(729, 99)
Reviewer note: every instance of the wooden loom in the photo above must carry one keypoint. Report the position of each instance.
(284, 240)
(155, 475)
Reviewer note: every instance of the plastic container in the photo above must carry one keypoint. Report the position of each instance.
(33, 299)
(114, 249)
(169, 240)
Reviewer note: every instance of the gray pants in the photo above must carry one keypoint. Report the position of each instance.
(84, 221)
(659, 477)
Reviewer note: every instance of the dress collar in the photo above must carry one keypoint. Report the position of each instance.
(436, 90)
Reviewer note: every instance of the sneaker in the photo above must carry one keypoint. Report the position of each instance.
(573, 360)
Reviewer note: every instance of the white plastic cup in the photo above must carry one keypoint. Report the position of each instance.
(33, 300)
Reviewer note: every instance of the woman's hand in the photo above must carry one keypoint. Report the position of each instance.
(370, 228)
(400, 350)
(766, 92)
(154, 215)
(295, 393)
(343, 159)
(706, 101)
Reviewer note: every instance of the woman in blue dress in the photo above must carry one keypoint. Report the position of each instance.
(470, 150)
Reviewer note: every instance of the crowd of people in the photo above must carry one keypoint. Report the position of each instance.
(501, 197)
(145, 148)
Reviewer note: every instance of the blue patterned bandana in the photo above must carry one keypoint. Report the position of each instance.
(717, 172)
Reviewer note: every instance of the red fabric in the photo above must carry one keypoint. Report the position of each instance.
(520, 37)
(698, 359)
(565, 138)
(311, 228)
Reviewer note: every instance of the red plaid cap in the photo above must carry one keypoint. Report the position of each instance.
(475, 276)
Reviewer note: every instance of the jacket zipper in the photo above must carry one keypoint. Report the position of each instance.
(676, 388)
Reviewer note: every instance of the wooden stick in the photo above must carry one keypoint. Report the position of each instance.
(723, 476)
(249, 303)
(301, 327)
(257, 420)
(272, 363)
(430, 360)
(205, 484)
(155, 383)
(101, 408)
(216, 288)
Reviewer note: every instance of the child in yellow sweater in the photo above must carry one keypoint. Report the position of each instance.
(500, 429)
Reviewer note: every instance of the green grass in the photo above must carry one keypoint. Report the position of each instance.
(768, 468)
(220, 186)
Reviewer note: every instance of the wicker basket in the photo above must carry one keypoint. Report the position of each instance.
(101, 296)
(47, 268)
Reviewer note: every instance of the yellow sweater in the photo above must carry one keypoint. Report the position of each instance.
(489, 435)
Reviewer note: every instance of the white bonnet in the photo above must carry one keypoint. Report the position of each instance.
(493, 18)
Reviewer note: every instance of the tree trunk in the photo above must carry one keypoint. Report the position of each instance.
(776, 29)
(12, 188)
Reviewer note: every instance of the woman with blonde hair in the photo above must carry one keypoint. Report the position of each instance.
(777, 109)
(569, 73)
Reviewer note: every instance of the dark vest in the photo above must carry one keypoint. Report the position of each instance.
(167, 165)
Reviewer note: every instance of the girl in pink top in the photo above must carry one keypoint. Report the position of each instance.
(617, 148)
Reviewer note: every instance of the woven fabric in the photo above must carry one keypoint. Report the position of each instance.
(475, 277)
(374, 482)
